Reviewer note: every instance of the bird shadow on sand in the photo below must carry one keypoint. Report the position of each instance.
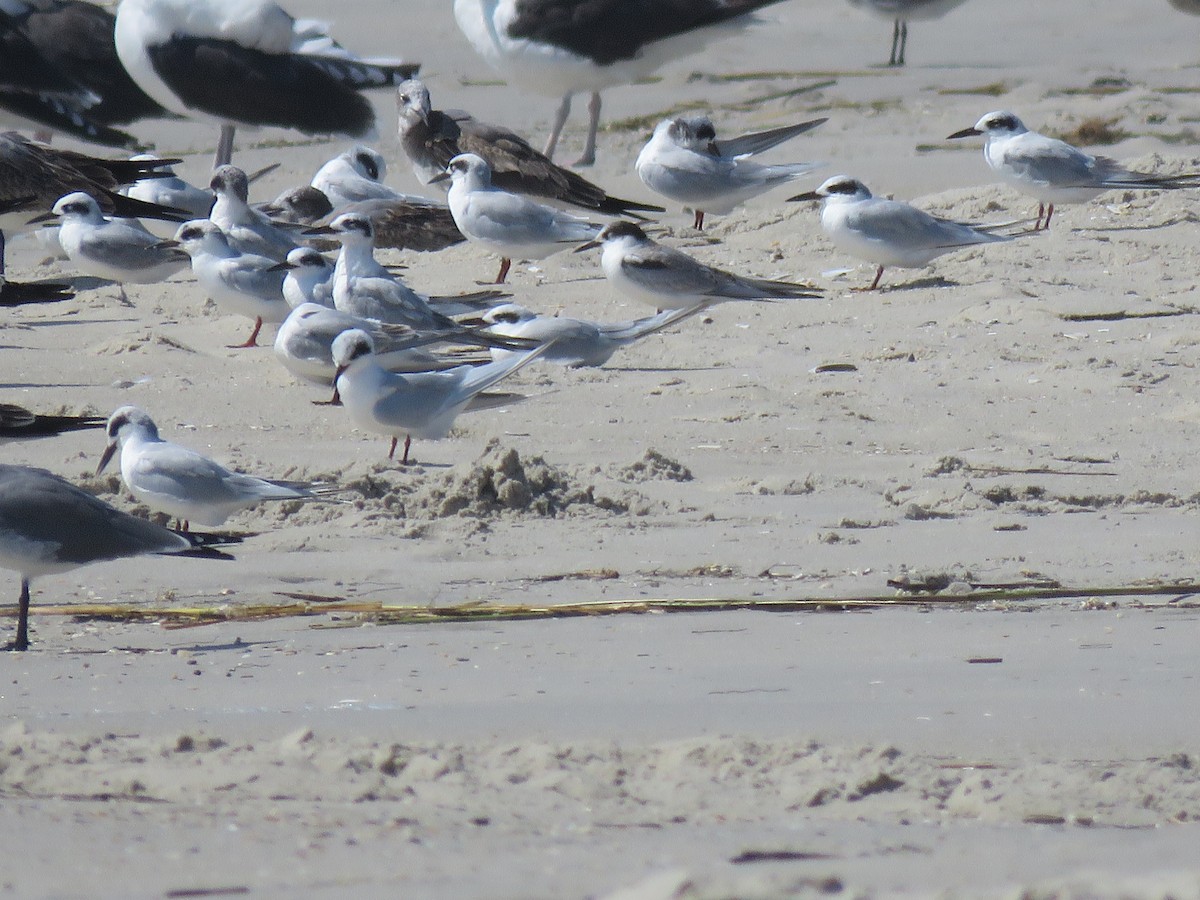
(933, 281)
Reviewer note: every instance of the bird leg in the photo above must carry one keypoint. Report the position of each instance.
(874, 284)
(224, 147)
(698, 220)
(1049, 213)
(505, 265)
(1, 252)
(21, 641)
(407, 444)
(251, 341)
(560, 119)
(895, 42)
(392, 449)
(903, 42)
(589, 148)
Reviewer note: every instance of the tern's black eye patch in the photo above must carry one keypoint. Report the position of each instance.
(369, 166)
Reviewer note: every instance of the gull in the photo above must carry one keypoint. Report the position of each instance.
(684, 161)
(34, 176)
(304, 343)
(308, 278)
(117, 249)
(247, 229)
(76, 39)
(888, 232)
(18, 422)
(431, 138)
(48, 525)
(406, 223)
(419, 404)
(179, 482)
(247, 62)
(565, 47)
(242, 283)
(666, 278)
(505, 223)
(1052, 171)
(901, 12)
(576, 342)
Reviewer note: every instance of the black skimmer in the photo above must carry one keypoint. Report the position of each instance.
(77, 38)
(431, 138)
(247, 62)
(37, 89)
(566, 47)
(19, 422)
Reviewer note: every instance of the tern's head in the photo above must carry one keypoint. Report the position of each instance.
(307, 260)
(508, 314)
(469, 169)
(349, 346)
(200, 235)
(1000, 123)
(839, 187)
(693, 132)
(77, 204)
(366, 162)
(412, 100)
(230, 181)
(353, 228)
(617, 232)
(122, 425)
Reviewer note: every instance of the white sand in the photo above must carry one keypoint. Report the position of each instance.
(984, 436)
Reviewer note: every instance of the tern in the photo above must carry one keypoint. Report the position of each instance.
(888, 232)
(684, 161)
(666, 278)
(508, 224)
(1052, 171)
(418, 404)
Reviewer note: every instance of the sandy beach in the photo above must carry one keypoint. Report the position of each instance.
(1011, 428)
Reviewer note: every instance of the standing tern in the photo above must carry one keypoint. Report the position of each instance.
(666, 278)
(684, 161)
(508, 224)
(1052, 171)
(117, 249)
(179, 482)
(888, 232)
(48, 525)
(566, 47)
(247, 62)
(242, 283)
(901, 12)
(418, 404)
